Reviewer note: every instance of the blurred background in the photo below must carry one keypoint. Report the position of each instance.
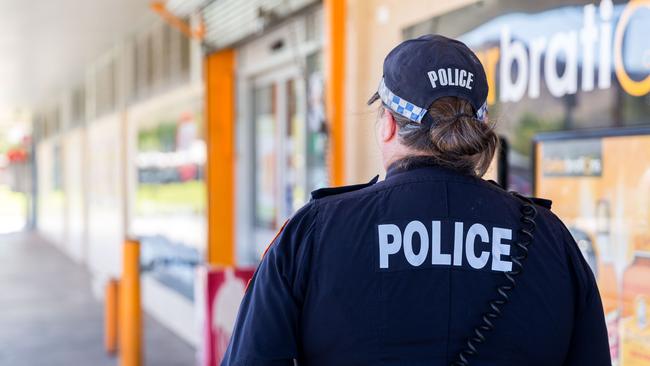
(197, 127)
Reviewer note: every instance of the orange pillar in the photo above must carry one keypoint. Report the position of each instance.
(130, 312)
(220, 169)
(111, 316)
(335, 87)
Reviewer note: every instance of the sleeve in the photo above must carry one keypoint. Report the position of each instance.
(266, 332)
(589, 340)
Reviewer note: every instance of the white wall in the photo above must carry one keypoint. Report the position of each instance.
(73, 151)
(50, 209)
(105, 198)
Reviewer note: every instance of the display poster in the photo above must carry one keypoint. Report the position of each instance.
(600, 188)
(222, 291)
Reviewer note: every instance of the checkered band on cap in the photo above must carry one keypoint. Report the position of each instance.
(482, 112)
(400, 105)
(410, 110)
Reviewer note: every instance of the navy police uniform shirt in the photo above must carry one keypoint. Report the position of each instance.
(400, 272)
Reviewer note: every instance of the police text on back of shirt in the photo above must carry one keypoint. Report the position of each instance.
(477, 245)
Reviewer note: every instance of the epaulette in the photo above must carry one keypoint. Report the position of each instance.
(542, 202)
(330, 191)
(494, 183)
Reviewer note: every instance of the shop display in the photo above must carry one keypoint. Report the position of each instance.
(600, 186)
(170, 196)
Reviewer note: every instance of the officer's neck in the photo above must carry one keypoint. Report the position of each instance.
(396, 152)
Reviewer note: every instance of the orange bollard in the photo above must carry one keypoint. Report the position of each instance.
(130, 311)
(110, 316)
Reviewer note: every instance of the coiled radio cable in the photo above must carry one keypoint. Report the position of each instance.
(524, 239)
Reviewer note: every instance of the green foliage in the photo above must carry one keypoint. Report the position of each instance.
(529, 125)
(13, 203)
(160, 138)
(171, 198)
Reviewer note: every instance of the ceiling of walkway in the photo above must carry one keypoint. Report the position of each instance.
(45, 44)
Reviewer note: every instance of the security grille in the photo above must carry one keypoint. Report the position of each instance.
(230, 21)
(161, 58)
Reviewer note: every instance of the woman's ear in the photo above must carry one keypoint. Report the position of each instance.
(388, 127)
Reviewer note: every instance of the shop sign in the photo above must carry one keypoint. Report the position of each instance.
(570, 59)
(578, 159)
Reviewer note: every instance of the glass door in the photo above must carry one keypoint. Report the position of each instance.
(266, 178)
(280, 156)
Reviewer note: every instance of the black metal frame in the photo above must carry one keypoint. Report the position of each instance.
(503, 168)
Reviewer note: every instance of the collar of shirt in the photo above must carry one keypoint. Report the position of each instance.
(423, 164)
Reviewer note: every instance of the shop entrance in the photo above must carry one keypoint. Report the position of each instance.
(281, 131)
(279, 145)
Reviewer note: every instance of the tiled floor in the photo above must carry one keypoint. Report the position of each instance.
(48, 316)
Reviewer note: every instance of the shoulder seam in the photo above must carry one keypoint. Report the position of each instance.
(333, 191)
(313, 231)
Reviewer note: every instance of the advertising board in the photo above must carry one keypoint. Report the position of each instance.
(221, 291)
(600, 186)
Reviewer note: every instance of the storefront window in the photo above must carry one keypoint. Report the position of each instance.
(290, 140)
(295, 151)
(317, 141)
(554, 66)
(602, 197)
(281, 131)
(265, 157)
(170, 194)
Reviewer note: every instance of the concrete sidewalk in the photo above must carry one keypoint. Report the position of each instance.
(48, 315)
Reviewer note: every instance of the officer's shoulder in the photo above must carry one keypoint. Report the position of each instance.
(538, 201)
(333, 191)
(543, 202)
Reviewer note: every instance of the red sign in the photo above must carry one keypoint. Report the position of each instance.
(224, 290)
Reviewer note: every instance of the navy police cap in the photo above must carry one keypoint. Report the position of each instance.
(419, 71)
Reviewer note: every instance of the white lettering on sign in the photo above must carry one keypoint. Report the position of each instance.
(562, 52)
(512, 53)
(562, 43)
(537, 47)
(475, 245)
(588, 38)
(451, 76)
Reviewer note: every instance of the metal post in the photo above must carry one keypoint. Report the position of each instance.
(335, 86)
(130, 312)
(111, 316)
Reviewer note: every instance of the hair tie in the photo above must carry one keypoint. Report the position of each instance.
(462, 114)
(453, 118)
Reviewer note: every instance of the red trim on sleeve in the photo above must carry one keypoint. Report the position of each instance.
(275, 237)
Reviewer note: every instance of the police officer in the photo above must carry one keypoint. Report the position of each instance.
(433, 265)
